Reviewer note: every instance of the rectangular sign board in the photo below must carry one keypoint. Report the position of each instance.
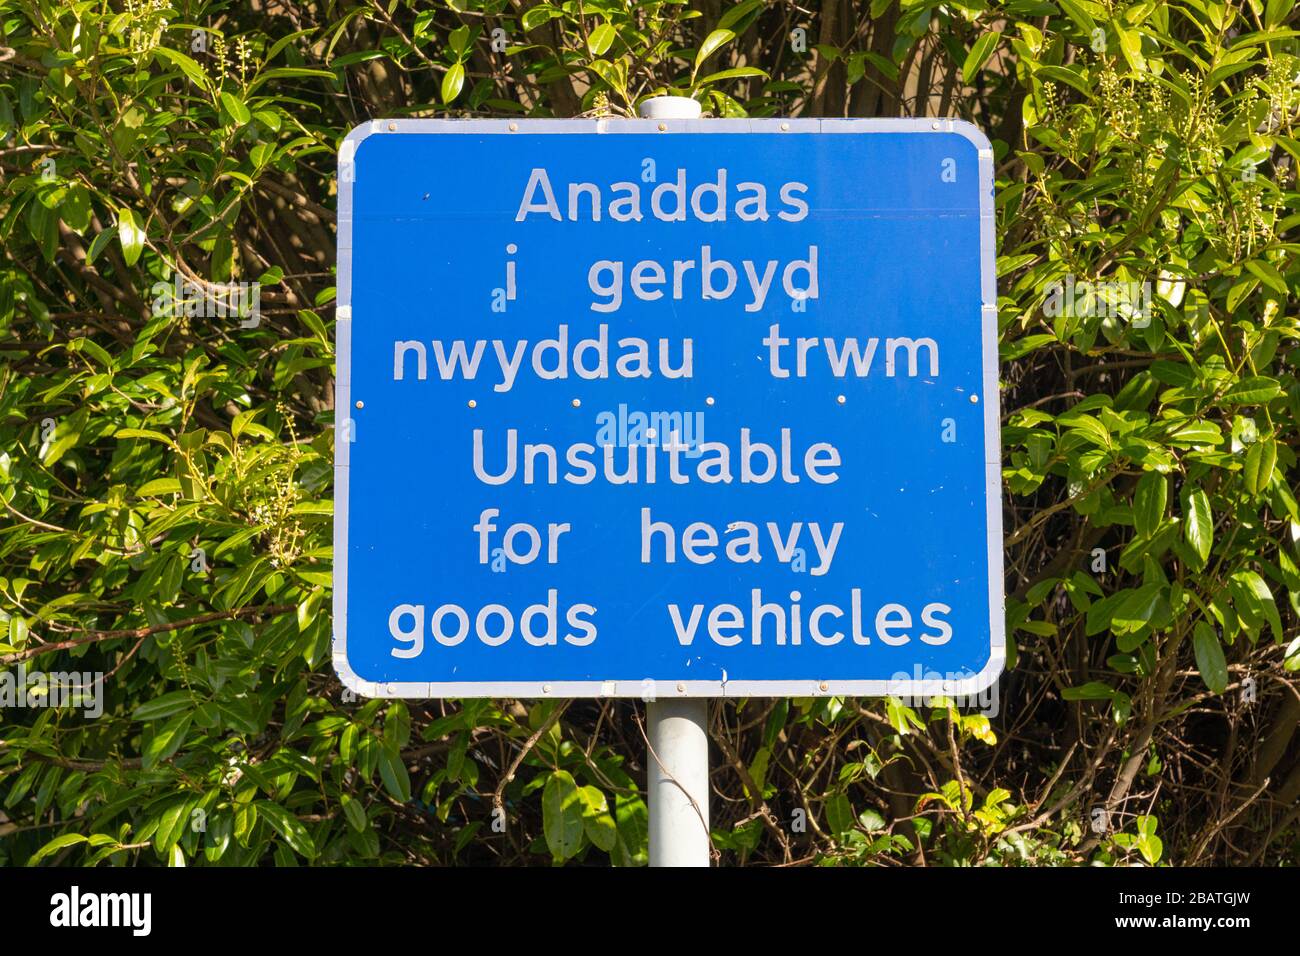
(667, 408)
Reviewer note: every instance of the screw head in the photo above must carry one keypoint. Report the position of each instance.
(360, 404)
(974, 399)
(824, 686)
(514, 127)
(709, 400)
(473, 403)
(785, 126)
(663, 127)
(841, 399)
(392, 126)
(681, 688)
(577, 402)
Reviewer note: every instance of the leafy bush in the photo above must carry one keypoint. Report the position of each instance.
(165, 473)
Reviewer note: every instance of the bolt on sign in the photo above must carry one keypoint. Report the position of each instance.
(687, 408)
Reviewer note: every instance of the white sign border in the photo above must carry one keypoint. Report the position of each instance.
(947, 686)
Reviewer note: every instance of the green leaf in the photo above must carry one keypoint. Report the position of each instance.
(839, 814)
(1130, 45)
(1066, 75)
(1269, 275)
(143, 433)
(535, 16)
(1078, 15)
(66, 436)
(1093, 690)
(54, 846)
(631, 815)
(43, 220)
(737, 13)
(1137, 610)
(170, 825)
(235, 109)
(598, 823)
(290, 73)
(131, 236)
(397, 781)
(601, 39)
(355, 814)
(164, 706)
(1257, 591)
(1149, 503)
(187, 66)
(1209, 657)
(1199, 523)
(288, 826)
(159, 486)
(1275, 12)
(166, 740)
(1010, 351)
(562, 815)
(75, 209)
(736, 73)
(459, 40)
(1253, 391)
(1198, 433)
(98, 244)
(1089, 427)
(979, 54)
(18, 631)
(1260, 461)
(1240, 290)
(1148, 844)
(711, 44)
(901, 716)
(1291, 657)
(452, 82)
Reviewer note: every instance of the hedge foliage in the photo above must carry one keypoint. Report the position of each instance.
(165, 476)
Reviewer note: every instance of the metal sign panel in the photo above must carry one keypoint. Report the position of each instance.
(667, 408)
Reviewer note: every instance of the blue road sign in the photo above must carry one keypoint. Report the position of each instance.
(678, 408)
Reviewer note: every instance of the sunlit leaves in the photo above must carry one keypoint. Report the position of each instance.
(712, 43)
(979, 54)
(131, 235)
(287, 826)
(1260, 461)
(1198, 522)
(601, 39)
(1255, 390)
(234, 108)
(452, 82)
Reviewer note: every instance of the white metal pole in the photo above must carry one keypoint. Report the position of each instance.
(679, 729)
(679, 781)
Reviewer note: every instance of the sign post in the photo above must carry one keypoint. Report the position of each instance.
(677, 770)
(677, 767)
(667, 408)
